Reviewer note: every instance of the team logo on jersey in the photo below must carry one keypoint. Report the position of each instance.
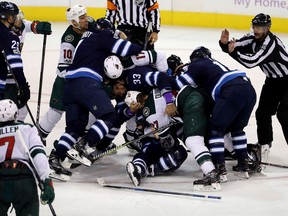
(139, 2)
(146, 111)
(69, 38)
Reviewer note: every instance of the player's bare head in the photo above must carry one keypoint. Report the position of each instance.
(77, 17)
(174, 62)
(19, 20)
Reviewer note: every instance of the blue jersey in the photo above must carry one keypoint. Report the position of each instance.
(208, 74)
(92, 50)
(145, 78)
(10, 44)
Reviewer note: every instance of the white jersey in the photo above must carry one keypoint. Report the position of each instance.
(12, 148)
(27, 28)
(154, 110)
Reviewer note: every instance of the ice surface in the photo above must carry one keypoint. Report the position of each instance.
(263, 194)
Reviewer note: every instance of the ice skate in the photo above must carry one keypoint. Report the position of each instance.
(265, 149)
(222, 173)
(56, 166)
(254, 158)
(75, 155)
(242, 168)
(210, 182)
(133, 173)
(80, 152)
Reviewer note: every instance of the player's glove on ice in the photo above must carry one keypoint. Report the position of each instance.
(41, 27)
(24, 93)
(47, 195)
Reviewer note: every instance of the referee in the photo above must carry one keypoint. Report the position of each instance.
(133, 17)
(264, 49)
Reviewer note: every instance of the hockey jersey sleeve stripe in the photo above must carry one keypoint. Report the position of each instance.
(15, 61)
(36, 151)
(151, 78)
(224, 79)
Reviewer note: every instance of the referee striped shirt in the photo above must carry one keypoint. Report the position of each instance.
(134, 13)
(270, 54)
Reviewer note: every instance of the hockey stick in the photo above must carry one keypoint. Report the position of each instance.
(148, 33)
(135, 140)
(17, 84)
(40, 182)
(102, 183)
(275, 165)
(41, 79)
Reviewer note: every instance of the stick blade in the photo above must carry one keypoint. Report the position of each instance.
(101, 182)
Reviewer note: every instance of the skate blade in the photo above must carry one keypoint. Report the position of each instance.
(59, 177)
(223, 178)
(212, 187)
(243, 175)
(74, 154)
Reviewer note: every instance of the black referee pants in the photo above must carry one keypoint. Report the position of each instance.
(273, 100)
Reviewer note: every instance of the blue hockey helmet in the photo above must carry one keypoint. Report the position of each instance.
(261, 19)
(103, 23)
(7, 9)
(200, 52)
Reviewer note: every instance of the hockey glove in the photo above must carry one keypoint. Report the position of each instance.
(47, 194)
(24, 93)
(41, 27)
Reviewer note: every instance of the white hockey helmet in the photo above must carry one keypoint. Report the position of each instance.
(8, 110)
(113, 67)
(131, 96)
(74, 12)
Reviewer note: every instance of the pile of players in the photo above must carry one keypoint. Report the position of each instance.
(210, 103)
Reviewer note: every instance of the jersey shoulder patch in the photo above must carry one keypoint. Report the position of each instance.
(70, 36)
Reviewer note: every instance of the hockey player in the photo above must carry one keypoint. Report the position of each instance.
(83, 89)
(10, 45)
(164, 150)
(21, 27)
(234, 99)
(264, 49)
(17, 183)
(79, 22)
